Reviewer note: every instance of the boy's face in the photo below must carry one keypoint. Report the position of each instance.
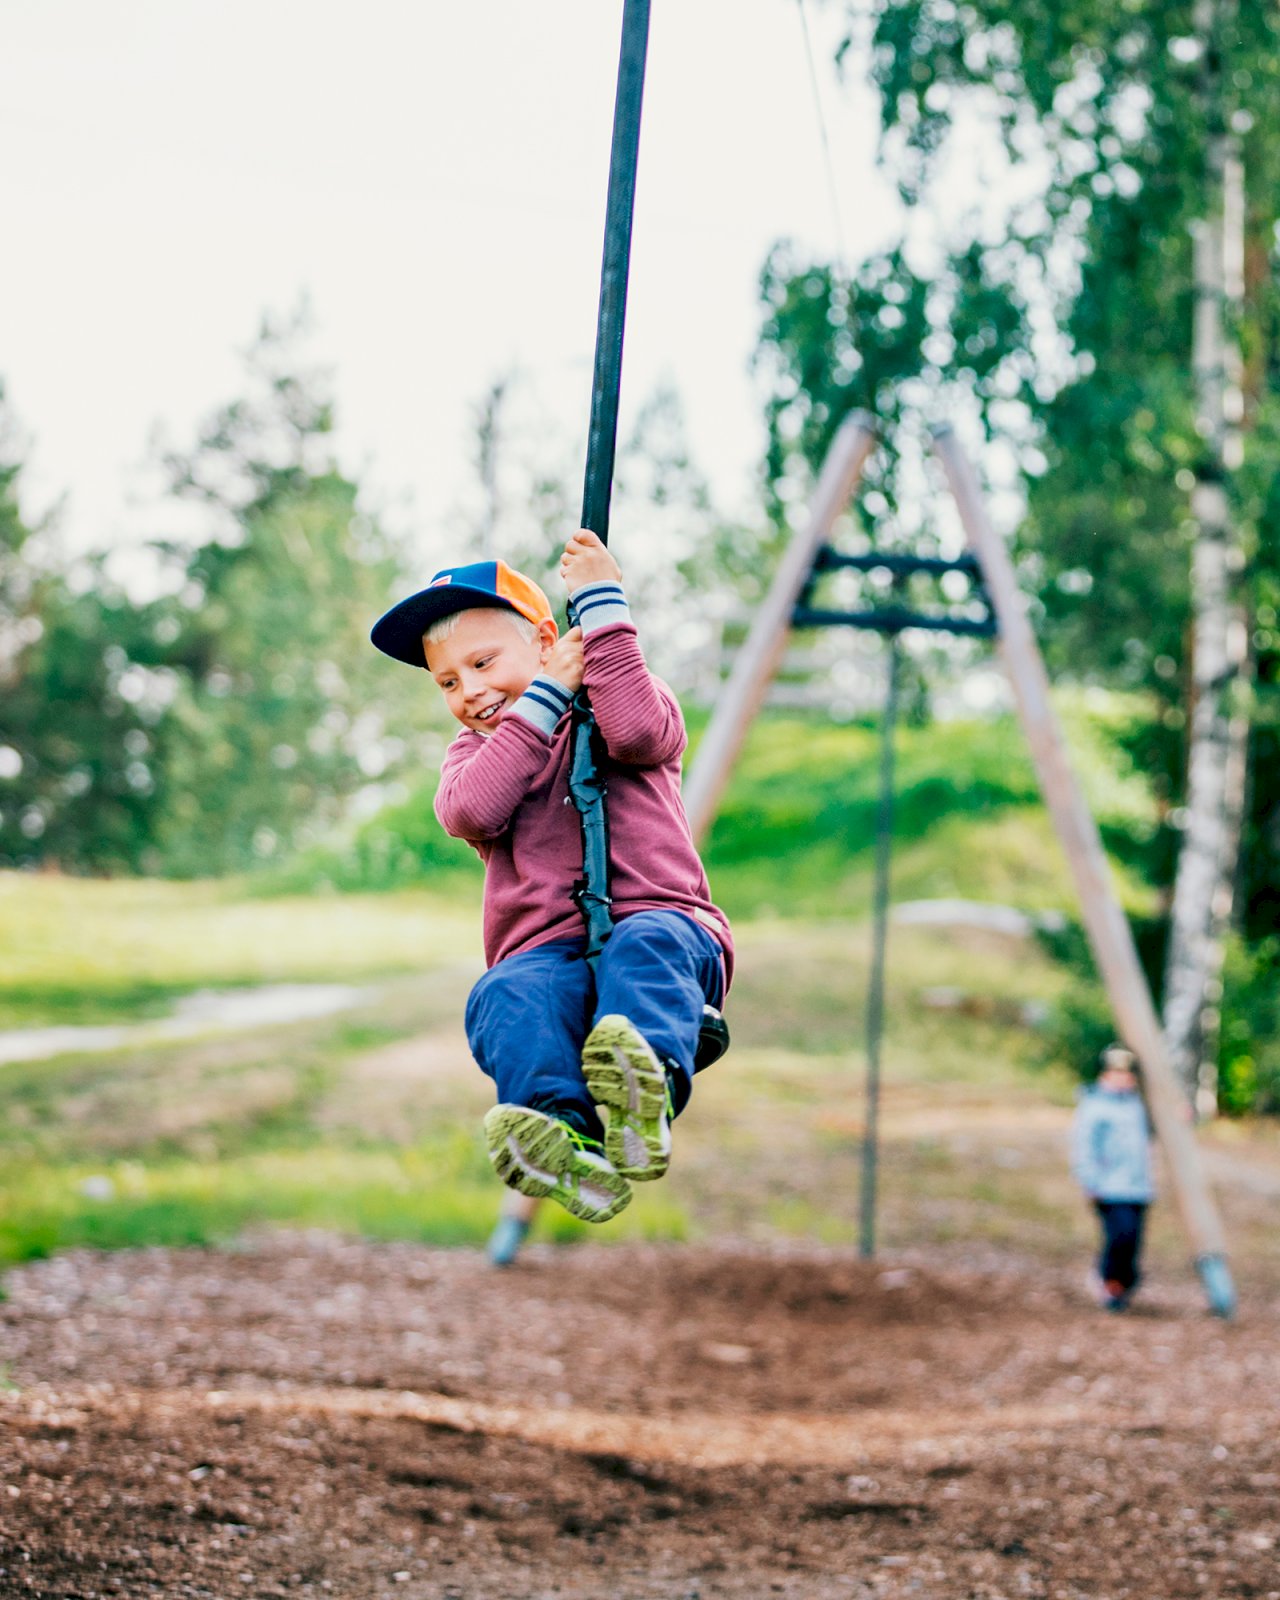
(485, 665)
(1120, 1080)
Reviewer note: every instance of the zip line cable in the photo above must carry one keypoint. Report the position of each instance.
(833, 191)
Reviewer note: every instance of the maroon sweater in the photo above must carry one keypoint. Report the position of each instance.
(507, 795)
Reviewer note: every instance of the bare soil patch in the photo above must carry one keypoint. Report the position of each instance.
(309, 1416)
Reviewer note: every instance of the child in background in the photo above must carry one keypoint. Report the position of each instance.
(588, 1074)
(1111, 1159)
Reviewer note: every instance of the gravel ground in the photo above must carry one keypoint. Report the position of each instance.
(312, 1416)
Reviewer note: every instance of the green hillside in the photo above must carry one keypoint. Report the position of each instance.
(797, 824)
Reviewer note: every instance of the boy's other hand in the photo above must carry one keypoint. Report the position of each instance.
(587, 560)
(564, 664)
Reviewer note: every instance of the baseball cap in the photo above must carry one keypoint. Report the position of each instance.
(398, 633)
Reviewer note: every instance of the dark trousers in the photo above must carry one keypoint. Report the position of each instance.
(1121, 1242)
(528, 1016)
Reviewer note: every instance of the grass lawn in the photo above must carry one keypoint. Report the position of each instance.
(83, 950)
(367, 1122)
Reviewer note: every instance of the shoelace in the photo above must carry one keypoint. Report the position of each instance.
(582, 1141)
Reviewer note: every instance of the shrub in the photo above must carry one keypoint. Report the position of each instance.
(1249, 1042)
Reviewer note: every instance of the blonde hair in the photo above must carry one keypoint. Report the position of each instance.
(445, 626)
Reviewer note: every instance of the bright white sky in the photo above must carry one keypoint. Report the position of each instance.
(433, 176)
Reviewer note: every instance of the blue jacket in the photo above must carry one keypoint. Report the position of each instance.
(1111, 1146)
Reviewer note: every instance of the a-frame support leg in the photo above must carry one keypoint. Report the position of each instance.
(757, 662)
(1109, 933)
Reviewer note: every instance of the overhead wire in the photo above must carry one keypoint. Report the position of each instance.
(833, 189)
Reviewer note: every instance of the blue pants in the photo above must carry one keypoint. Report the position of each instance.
(528, 1016)
(1121, 1242)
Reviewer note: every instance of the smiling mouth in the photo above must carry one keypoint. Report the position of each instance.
(490, 712)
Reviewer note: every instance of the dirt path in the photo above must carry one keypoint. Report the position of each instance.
(306, 1416)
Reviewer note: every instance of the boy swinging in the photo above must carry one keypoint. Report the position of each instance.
(589, 1072)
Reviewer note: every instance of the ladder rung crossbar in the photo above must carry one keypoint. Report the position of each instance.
(897, 562)
(893, 619)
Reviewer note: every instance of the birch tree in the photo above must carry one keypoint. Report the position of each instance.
(1218, 738)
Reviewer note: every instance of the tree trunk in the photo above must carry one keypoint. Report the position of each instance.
(1218, 724)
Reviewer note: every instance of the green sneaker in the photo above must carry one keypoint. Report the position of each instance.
(540, 1155)
(628, 1085)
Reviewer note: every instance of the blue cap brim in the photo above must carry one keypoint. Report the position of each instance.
(398, 632)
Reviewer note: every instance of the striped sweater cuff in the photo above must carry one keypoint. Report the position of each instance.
(599, 604)
(543, 703)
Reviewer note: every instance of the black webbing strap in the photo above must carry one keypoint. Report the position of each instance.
(587, 788)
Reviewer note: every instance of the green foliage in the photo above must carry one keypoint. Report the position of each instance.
(1080, 1020)
(1061, 332)
(1064, 330)
(1249, 1041)
(402, 846)
(77, 721)
(1259, 878)
(1120, 104)
(282, 710)
(241, 715)
(234, 717)
(830, 348)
